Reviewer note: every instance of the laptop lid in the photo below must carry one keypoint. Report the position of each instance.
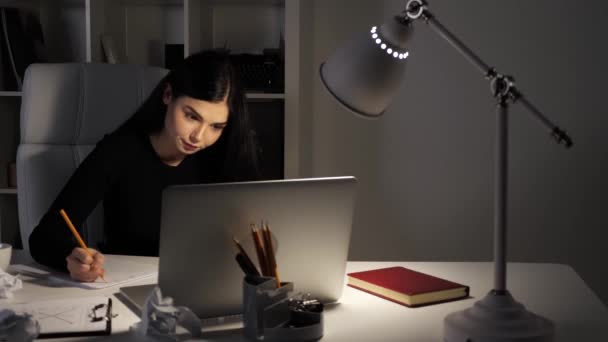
(311, 224)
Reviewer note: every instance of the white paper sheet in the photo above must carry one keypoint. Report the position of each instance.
(67, 315)
(116, 272)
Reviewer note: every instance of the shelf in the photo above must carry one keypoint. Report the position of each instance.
(23, 4)
(10, 93)
(266, 96)
(8, 191)
(153, 2)
(276, 3)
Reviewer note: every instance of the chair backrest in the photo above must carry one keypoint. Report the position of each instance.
(66, 109)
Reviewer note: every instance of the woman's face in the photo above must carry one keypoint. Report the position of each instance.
(192, 124)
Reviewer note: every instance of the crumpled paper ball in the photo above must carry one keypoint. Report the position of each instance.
(164, 321)
(8, 284)
(16, 327)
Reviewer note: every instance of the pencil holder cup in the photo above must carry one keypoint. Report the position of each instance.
(268, 315)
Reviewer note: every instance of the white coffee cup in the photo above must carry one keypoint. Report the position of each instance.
(5, 255)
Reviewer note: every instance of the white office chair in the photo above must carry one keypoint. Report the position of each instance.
(66, 109)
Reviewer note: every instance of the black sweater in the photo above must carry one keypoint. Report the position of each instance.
(124, 172)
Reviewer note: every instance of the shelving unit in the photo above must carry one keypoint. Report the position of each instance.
(266, 96)
(139, 31)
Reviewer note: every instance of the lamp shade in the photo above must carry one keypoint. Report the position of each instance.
(364, 73)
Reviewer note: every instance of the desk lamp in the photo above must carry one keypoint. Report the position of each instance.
(363, 75)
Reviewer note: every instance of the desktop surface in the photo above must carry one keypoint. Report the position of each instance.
(552, 290)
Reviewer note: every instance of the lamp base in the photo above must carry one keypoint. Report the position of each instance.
(497, 318)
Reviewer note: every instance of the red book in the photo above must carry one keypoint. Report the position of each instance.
(407, 287)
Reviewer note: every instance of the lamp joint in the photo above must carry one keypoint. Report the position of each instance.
(416, 9)
(502, 87)
(561, 137)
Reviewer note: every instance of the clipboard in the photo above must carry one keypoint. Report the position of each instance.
(69, 317)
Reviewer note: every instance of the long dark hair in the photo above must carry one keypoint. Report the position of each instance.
(207, 76)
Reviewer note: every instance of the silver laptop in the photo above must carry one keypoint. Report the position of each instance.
(311, 224)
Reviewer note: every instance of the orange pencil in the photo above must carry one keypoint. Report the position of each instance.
(259, 248)
(267, 248)
(272, 261)
(76, 235)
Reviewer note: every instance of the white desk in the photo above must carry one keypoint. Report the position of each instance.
(552, 290)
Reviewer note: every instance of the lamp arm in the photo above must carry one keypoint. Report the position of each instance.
(557, 133)
(503, 87)
(494, 317)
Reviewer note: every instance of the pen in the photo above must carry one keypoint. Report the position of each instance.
(241, 260)
(77, 236)
(247, 265)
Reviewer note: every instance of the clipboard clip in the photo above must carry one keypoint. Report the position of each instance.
(95, 317)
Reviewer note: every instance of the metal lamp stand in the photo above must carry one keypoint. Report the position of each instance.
(497, 317)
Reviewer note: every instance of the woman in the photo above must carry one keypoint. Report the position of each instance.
(193, 128)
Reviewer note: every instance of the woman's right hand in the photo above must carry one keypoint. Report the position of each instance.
(83, 267)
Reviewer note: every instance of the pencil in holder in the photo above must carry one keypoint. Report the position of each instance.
(269, 315)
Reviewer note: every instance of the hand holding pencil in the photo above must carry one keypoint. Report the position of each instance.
(84, 264)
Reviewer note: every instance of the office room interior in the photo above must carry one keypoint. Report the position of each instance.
(425, 168)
